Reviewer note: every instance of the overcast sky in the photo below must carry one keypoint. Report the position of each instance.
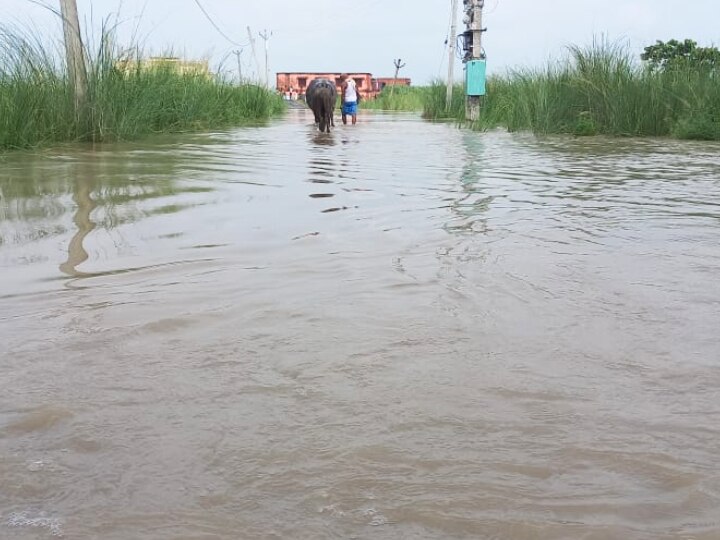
(366, 35)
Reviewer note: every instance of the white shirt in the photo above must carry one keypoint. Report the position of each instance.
(350, 91)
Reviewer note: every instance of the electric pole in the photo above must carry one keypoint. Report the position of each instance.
(474, 66)
(254, 51)
(451, 59)
(74, 51)
(398, 66)
(237, 53)
(266, 37)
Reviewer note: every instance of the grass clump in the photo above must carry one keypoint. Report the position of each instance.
(598, 90)
(398, 98)
(700, 126)
(435, 105)
(37, 105)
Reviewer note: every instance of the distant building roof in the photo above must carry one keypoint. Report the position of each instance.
(323, 72)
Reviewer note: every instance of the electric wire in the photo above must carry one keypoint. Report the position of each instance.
(223, 34)
(46, 6)
(447, 44)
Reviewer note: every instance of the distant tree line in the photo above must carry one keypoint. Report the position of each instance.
(676, 54)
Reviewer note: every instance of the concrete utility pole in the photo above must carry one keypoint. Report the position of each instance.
(254, 51)
(266, 37)
(74, 51)
(398, 66)
(474, 13)
(451, 59)
(237, 53)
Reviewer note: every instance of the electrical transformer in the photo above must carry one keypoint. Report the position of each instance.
(475, 77)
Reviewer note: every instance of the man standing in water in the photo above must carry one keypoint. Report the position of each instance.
(350, 97)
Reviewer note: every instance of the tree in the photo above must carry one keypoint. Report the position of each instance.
(675, 54)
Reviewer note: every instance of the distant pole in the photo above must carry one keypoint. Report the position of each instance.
(266, 37)
(237, 53)
(254, 51)
(451, 59)
(475, 14)
(398, 66)
(74, 51)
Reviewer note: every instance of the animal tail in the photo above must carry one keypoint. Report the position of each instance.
(329, 108)
(326, 112)
(323, 117)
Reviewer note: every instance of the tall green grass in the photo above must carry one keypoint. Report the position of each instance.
(398, 98)
(435, 103)
(37, 105)
(599, 89)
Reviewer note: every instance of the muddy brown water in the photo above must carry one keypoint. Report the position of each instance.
(399, 330)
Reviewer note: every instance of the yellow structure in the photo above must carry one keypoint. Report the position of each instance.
(193, 67)
(173, 63)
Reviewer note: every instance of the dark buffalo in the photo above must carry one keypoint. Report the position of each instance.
(321, 96)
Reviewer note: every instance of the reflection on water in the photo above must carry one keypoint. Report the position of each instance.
(395, 330)
(84, 184)
(321, 170)
(323, 139)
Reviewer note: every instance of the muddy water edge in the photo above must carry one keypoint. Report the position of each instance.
(398, 330)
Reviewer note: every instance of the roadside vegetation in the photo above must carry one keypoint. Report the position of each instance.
(37, 102)
(435, 104)
(597, 90)
(398, 98)
(602, 89)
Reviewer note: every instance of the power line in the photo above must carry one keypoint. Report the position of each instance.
(223, 34)
(447, 42)
(45, 6)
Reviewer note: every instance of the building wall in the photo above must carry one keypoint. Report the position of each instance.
(299, 82)
(182, 67)
(382, 82)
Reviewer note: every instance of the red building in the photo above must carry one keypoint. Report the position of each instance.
(382, 82)
(368, 86)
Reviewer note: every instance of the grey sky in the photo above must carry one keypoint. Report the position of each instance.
(366, 35)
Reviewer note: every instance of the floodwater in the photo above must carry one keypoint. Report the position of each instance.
(400, 330)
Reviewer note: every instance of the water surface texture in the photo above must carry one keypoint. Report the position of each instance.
(400, 330)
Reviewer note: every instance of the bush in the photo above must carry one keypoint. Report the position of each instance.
(597, 90)
(398, 98)
(37, 104)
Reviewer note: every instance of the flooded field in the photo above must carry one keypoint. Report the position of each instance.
(396, 331)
